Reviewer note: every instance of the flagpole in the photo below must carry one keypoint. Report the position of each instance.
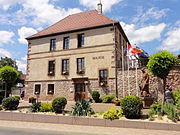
(122, 50)
(137, 78)
(128, 71)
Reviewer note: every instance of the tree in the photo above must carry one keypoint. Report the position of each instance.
(8, 62)
(9, 75)
(160, 65)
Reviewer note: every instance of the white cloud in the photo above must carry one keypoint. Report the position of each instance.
(151, 14)
(5, 53)
(46, 13)
(6, 37)
(21, 66)
(5, 4)
(144, 34)
(24, 32)
(92, 4)
(36, 12)
(172, 42)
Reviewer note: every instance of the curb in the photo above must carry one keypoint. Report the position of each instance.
(43, 118)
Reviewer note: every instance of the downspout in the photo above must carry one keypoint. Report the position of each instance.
(116, 87)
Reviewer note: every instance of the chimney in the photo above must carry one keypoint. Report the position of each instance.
(99, 7)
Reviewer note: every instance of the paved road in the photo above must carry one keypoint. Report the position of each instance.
(33, 128)
(22, 131)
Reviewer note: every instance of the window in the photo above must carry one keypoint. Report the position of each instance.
(65, 67)
(52, 44)
(80, 40)
(51, 68)
(80, 66)
(50, 89)
(37, 89)
(103, 76)
(66, 43)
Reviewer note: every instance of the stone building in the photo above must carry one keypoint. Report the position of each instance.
(76, 55)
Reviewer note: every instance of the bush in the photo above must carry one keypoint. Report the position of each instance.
(155, 109)
(82, 108)
(18, 97)
(35, 107)
(10, 103)
(1, 108)
(1, 98)
(59, 104)
(96, 96)
(171, 112)
(176, 95)
(108, 98)
(46, 107)
(131, 106)
(113, 113)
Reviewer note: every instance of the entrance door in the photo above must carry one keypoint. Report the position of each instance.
(80, 91)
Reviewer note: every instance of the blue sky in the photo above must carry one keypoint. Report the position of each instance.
(152, 25)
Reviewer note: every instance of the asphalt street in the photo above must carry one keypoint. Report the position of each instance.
(22, 131)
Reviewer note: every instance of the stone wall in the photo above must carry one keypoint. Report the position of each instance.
(62, 88)
(155, 84)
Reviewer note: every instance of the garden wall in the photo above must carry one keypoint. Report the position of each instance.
(13, 116)
(155, 84)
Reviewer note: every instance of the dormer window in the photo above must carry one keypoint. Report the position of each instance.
(52, 44)
(80, 40)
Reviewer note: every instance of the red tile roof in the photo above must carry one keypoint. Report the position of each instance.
(75, 22)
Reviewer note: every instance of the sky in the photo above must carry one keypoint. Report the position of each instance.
(152, 25)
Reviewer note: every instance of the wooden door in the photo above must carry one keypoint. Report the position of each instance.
(79, 91)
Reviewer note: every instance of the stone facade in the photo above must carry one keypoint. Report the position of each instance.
(66, 89)
(155, 84)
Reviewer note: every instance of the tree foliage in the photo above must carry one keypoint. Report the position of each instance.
(161, 63)
(8, 74)
(5, 61)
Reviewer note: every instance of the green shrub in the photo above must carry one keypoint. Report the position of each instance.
(96, 96)
(171, 112)
(108, 98)
(1, 98)
(35, 107)
(82, 108)
(176, 95)
(113, 113)
(46, 107)
(131, 106)
(156, 108)
(18, 97)
(10, 103)
(59, 104)
(1, 108)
